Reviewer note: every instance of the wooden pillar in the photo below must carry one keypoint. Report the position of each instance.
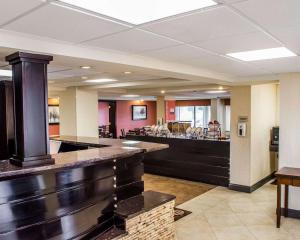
(6, 120)
(30, 108)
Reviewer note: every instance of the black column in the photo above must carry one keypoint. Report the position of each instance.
(30, 108)
(6, 120)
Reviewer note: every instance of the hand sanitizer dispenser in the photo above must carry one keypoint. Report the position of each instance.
(242, 129)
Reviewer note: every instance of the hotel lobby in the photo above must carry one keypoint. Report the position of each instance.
(149, 120)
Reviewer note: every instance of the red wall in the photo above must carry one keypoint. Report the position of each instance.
(124, 116)
(54, 129)
(170, 116)
(103, 113)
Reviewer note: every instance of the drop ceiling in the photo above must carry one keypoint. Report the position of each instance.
(197, 40)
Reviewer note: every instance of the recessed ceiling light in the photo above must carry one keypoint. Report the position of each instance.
(130, 95)
(127, 72)
(102, 80)
(84, 78)
(220, 88)
(5, 73)
(263, 54)
(85, 67)
(162, 91)
(215, 92)
(140, 11)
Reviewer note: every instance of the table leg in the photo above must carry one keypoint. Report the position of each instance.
(286, 200)
(278, 210)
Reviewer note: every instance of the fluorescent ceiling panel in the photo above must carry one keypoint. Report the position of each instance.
(140, 11)
(263, 54)
(5, 73)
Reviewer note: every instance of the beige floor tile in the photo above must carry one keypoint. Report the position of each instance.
(233, 233)
(251, 219)
(268, 232)
(292, 226)
(244, 207)
(194, 228)
(221, 208)
(222, 214)
(224, 220)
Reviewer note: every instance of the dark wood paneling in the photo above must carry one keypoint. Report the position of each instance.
(30, 108)
(198, 160)
(6, 120)
(69, 203)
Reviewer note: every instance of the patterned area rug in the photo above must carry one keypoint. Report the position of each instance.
(180, 213)
(182, 189)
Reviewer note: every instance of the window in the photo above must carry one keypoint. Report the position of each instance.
(199, 116)
(227, 118)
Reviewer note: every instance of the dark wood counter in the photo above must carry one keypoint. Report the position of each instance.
(198, 160)
(74, 198)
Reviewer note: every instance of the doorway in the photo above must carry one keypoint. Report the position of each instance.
(107, 118)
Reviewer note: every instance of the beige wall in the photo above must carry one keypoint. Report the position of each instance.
(67, 108)
(289, 147)
(160, 109)
(240, 146)
(250, 158)
(79, 113)
(87, 113)
(263, 118)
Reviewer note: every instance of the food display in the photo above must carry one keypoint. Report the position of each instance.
(213, 130)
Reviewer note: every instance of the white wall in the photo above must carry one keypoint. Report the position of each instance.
(79, 113)
(263, 118)
(289, 136)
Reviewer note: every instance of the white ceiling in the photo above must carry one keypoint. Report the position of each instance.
(199, 39)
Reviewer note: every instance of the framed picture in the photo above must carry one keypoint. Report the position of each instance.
(139, 112)
(53, 113)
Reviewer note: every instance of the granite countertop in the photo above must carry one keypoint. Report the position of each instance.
(115, 148)
(146, 146)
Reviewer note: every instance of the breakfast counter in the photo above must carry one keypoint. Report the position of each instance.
(203, 160)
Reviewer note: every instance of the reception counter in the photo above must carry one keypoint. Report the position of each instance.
(198, 160)
(78, 195)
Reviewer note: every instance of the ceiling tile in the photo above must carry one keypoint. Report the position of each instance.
(65, 24)
(245, 42)
(133, 41)
(290, 36)
(55, 68)
(70, 73)
(238, 69)
(202, 26)
(184, 54)
(12, 8)
(229, 1)
(281, 65)
(270, 13)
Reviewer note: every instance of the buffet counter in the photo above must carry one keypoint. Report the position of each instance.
(200, 160)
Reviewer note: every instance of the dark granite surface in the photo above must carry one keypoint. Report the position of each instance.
(142, 203)
(117, 148)
(146, 146)
(112, 233)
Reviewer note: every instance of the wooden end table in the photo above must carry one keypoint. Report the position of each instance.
(288, 177)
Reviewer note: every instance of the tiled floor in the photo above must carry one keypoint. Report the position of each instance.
(221, 214)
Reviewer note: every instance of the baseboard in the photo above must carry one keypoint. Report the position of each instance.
(291, 213)
(250, 189)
